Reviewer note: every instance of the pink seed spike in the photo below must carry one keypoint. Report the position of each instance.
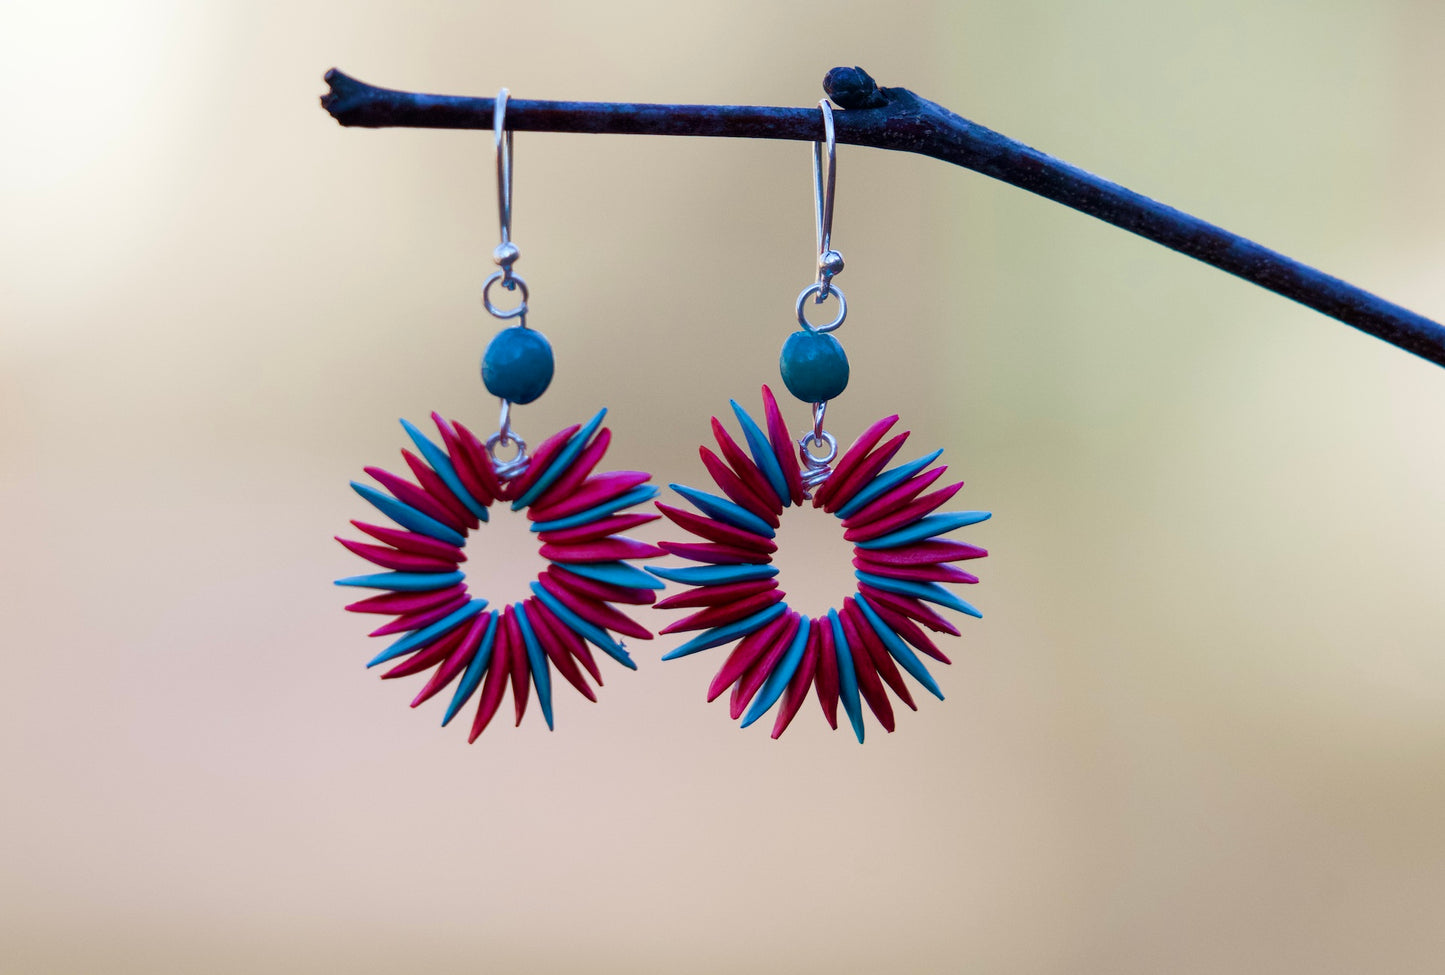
(556, 650)
(434, 486)
(882, 662)
(458, 660)
(869, 686)
(910, 607)
(826, 679)
(859, 477)
(398, 603)
(420, 619)
(390, 558)
(937, 572)
(586, 461)
(498, 670)
(749, 684)
(799, 684)
(605, 550)
(921, 552)
(575, 644)
(429, 655)
(903, 516)
(408, 493)
(717, 595)
(541, 459)
(747, 471)
(891, 501)
(783, 447)
(713, 553)
(600, 591)
(595, 491)
(715, 531)
(733, 486)
(910, 632)
(748, 651)
(473, 457)
(728, 613)
(478, 487)
(597, 613)
(412, 542)
(866, 441)
(598, 529)
(521, 667)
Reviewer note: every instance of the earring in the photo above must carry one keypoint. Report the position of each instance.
(576, 514)
(901, 561)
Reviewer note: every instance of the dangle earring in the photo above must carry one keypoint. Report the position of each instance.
(576, 514)
(901, 561)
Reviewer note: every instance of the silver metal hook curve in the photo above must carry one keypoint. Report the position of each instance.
(830, 262)
(502, 139)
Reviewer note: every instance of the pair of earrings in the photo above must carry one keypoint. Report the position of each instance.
(850, 656)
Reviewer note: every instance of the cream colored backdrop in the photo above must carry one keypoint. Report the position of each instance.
(1199, 729)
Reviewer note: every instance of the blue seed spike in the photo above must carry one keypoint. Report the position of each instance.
(613, 573)
(724, 510)
(899, 650)
(592, 634)
(562, 462)
(925, 528)
(884, 483)
(408, 517)
(929, 592)
(421, 638)
(763, 456)
(847, 677)
(537, 658)
(715, 575)
(637, 495)
(404, 581)
(777, 681)
(442, 464)
(476, 670)
(719, 635)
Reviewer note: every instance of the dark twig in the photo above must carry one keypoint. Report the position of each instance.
(895, 118)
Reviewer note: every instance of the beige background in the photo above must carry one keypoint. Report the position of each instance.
(1199, 729)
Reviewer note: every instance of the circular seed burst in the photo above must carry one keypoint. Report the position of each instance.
(577, 516)
(900, 561)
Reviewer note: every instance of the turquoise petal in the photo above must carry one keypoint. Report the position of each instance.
(575, 445)
(729, 632)
(592, 634)
(613, 573)
(762, 450)
(476, 670)
(725, 511)
(777, 681)
(715, 575)
(442, 464)
(847, 677)
(422, 637)
(408, 517)
(537, 659)
(899, 650)
(930, 592)
(636, 496)
(884, 483)
(404, 581)
(925, 528)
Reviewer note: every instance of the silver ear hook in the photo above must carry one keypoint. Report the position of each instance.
(830, 262)
(507, 252)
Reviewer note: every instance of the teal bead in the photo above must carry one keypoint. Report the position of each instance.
(814, 366)
(517, 365)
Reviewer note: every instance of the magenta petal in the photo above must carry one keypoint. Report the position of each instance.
(541, 459)
(397, 603)
(413, 542)
(799, 684)
(556, 648)
(867, 469)
(603, 550)
(521, 667)
(581, 468)
(747, 472)
(910, 607)
(717, 595)
(734, 486)
(457, 661)
(910, 632)
(716, 531)
(750, 650)
(726, 613)
(575, 644)
(598, 529)
(891, 501)
(601, 591)
(826, 678)
(921, 552)
(590, 494)
(783, 447)
(866, 441)
(928, 572)
(714, 553)
(755, 675)
(498, 670)
(390, 558)
(408, 493)
(428, 655)
(421, 618)
(597, 613)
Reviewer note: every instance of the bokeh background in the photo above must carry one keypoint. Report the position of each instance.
(1199, 728)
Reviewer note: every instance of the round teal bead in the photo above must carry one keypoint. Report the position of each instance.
(517, 365)
(814, 366)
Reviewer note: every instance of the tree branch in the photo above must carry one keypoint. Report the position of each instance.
(895, 118)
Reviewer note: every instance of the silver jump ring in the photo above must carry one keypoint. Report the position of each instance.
(507, 469)
(822, 291)
(521, 310)
(810, 440)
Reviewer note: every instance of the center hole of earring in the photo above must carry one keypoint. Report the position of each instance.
(502, 557)
(815, 564)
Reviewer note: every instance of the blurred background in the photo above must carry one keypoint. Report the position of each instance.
(1199, 728)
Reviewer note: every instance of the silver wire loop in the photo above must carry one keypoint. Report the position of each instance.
(506, 469)
(505, 313)
(820, 410)
(505, 255)
(815, 467)
(822, 291)
(830, 262)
